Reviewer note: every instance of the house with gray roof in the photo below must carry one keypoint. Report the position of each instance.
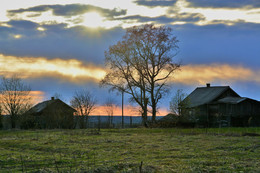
(221, 106)
(51, 114)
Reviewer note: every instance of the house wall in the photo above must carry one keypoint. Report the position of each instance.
(56, 117)
(197, 114)
(246, 113)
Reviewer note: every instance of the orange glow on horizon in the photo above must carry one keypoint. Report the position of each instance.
(128, 111)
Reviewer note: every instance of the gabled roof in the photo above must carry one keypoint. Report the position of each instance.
(43, 105)
(205, 95)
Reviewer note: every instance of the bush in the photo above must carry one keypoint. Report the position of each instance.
(168, 121)
(27, 121)
(172, 120)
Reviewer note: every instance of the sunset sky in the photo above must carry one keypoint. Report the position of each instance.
(57, 46)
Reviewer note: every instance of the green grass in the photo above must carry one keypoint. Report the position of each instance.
(123, 150)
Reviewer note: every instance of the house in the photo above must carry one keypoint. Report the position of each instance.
(220, 106)
(52, 113)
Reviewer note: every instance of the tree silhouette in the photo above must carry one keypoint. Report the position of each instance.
(141, 64)
(84, 103)
(15, 98)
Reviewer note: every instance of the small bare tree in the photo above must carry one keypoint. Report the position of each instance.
(57, 95)
(177, 102)
(110, 107)
(15, 97)
(84, 103)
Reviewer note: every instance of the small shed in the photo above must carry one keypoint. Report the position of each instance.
(52, 113)
(221, 106)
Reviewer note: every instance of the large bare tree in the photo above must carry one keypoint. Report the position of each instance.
(123, 76)
(84, 102)
(142, 63)
(15, 97)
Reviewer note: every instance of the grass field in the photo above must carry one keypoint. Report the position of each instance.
(131, 150)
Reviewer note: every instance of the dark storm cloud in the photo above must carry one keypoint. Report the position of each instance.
(23, 24)
(155, 3)
(182, 17)
(139, 18)
(238, 43)
(189, 17)
(17, 27)
(225, 3)
(57, 41)
(69, 10)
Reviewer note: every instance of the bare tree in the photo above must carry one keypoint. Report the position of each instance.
(57, 95)
(15, 98)
(177, 102)
(142, 63)
(84, 103)
(123, 77)
(110, 107)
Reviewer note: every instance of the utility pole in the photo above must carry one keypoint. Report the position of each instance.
(122, 108)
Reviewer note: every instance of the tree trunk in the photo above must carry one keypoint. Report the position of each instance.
(86, 124)
(154, 106)
(153, 112)
(13, 119)
(144, 115)
(131, 121)
(153, 103)
(12, 122)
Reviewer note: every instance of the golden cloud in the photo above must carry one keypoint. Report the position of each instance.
(37, 96)
(76, 71)
(201, 74)
(28, 67)
(33, 97)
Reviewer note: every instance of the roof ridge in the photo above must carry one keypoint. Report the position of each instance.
(215, 87)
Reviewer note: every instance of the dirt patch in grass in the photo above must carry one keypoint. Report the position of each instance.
(250, 134)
